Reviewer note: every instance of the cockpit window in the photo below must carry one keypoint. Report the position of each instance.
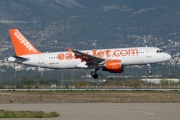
(160, 51)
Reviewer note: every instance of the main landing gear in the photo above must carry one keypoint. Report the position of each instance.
(149, 68)
(94, 74)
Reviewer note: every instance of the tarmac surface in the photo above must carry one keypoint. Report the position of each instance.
(102, 111)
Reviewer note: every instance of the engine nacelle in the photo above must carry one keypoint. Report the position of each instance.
(114, 66)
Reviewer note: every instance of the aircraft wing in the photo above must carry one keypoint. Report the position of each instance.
(89, 59)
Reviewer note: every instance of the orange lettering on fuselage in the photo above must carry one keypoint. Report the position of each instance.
(117, 53)
(101, 54)
(68, 56)
(61, 56)
(124, 52)
(133, 51)
(94, 53)
(108, 53)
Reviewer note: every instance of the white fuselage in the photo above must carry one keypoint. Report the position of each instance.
(67, 60)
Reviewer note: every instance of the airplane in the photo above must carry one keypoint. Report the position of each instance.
(112, 60)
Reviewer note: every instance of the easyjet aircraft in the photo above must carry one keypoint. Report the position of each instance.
(112, 60)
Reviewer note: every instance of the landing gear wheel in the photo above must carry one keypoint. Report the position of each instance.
(94, 74)
(149, 68)
(149, 71)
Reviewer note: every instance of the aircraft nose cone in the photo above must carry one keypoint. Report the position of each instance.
(168, 56)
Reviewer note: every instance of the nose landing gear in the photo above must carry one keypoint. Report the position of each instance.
(149, 69)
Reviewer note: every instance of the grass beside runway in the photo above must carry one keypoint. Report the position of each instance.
(27, 114)
(137, 96)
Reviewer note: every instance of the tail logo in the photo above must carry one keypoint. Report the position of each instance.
(24, 42)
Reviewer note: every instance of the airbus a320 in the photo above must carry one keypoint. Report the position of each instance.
(112, 60)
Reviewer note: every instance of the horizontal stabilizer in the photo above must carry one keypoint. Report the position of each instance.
(17, 59)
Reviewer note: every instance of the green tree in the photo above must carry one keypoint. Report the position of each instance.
(27, 81)
(138, 82)
(164, 82)
(80, 83)
(43, 82)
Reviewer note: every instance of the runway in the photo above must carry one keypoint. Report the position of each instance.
(103, 111)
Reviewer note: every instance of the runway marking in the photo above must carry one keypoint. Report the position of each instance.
(141, 112)
(147, 113)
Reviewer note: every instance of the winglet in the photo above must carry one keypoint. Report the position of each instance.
(21, 45)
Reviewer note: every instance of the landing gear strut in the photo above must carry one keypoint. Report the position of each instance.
(149, 68)
(94, 74)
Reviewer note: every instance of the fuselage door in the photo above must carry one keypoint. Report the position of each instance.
(148, 52)
(41, 59)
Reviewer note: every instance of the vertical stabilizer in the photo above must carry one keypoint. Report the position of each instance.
(21, 45)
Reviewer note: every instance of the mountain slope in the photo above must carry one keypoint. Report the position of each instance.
(92, 24)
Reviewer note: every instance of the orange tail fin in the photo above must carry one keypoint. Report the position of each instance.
(21, 45)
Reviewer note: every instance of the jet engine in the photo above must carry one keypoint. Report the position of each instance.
(114, 66)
